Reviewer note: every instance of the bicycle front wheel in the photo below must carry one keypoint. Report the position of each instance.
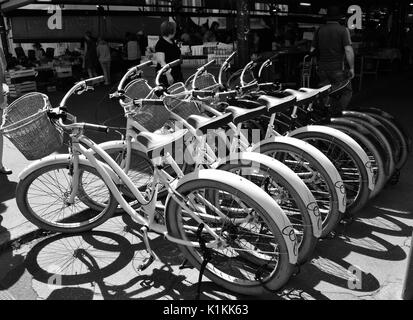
(42, 198)
(256, 256)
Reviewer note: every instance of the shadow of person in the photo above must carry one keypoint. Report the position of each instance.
(71, 294)
(11, 265)
(7, 189)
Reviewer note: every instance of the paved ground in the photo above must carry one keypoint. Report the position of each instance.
(366, 261)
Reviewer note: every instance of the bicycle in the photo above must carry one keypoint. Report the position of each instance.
(344, 152)
(319, 174)
(225, 225)
(278, 181)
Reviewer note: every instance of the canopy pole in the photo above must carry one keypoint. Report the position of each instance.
(243, 29)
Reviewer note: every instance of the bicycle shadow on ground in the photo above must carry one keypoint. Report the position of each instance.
(110, 257)
(366, 237)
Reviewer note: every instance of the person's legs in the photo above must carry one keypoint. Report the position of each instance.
(341, 100)
(90, 72)
(104, 66)
(108, 71)
(339, 78)
(3, 170)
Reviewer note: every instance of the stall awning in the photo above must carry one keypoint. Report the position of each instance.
(8, 5)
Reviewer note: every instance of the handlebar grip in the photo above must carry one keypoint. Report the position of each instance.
(147, 63)
(207, 65)
(203, 93)
(94, 81)
(231, 57)
(97, 128)
(175, 63)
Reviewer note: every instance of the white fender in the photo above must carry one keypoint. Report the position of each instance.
(260, 161)
(322, 159)
(57, 159)
(261, 197)
(347, 140)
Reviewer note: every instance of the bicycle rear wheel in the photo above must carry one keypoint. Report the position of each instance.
(351, 168)
(283, 190)
(377, 163)
(42, 199)
(316, 178)
(256, 256)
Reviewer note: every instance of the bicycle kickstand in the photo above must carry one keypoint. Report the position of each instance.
(152, 257)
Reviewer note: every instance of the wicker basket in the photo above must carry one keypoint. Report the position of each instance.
(27, 125)
(205, 81)
(138, 89)
(151, 114)
(235, 81)
(182, 108)
(177, 88)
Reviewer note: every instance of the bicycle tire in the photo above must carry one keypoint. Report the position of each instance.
(363, 192)
(333, 217)
(290, 201)
(29, 213)
(214, 272)
(372, 152)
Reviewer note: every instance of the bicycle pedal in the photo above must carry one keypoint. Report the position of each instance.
(297, 270)
(185, 265)
(146, 263)
(347, 221)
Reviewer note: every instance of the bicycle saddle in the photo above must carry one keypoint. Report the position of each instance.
(275, 104)
(321, 92)
(245, 103)
(240, 115)
(153, 142)
(203, 124)
(303, 98)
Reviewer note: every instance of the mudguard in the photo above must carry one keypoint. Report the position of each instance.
(337, 134)
(261, 197)
(57, 159)
(316, 154)
(263, 161)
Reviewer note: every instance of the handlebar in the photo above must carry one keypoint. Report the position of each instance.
(80, 87)
(199, 71)
(224, 67)
(269, 61)
(164, 69)
(131, 72)
(249, 66)
(94, 81)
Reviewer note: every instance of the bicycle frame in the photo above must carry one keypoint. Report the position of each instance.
(148, 206)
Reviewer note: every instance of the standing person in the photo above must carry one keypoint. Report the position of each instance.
(133, 52)
(90, 58)
(39, 52)
(166, 51)
(105, 59)
(332, 46)
(3, 105)
(142, 41)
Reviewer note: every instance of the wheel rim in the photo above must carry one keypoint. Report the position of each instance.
(345, 165)
(251, 245)
(48, 194)
(311, 177)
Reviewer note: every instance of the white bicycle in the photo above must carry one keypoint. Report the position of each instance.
(221, 222)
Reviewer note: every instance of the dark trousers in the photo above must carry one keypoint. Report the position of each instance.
(337, 78)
